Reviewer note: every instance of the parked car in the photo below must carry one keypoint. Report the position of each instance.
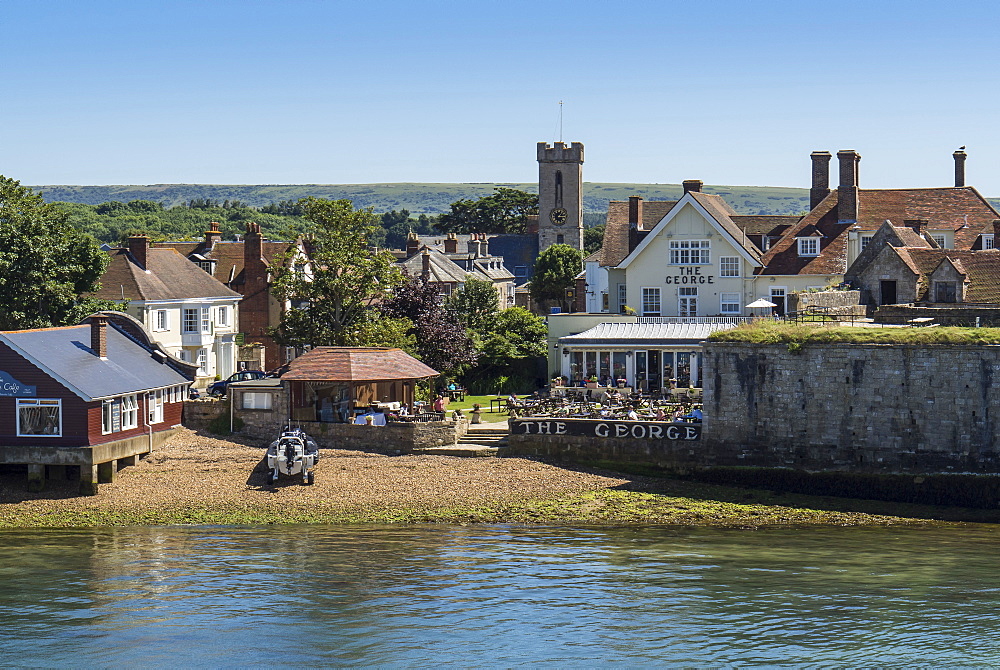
(218, 389)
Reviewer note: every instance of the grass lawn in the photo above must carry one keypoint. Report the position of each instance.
(484, 403)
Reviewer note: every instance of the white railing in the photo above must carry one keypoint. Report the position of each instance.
(728, 320)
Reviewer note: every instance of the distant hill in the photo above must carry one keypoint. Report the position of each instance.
(421, 198)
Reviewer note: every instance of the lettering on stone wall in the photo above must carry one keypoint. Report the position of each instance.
(690, 276)
(639, 430)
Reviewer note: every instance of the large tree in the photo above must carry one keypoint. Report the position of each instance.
(475, 303)
(335, 299)
(555, 272)
(441, 339)
(506, 211)
(46, 265)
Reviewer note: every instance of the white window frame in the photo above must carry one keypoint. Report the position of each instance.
(161, 320)
(107, 417)
(865, 241)
(729, 266)
(130, 412)
(808, 246)
(988, 241)
(206, 320)
(201, 358)
(622, 297)
(650, 291)
(222, 316)
(38, 402)
(940, 238)
(154, 406)
(690, 252)
(189, 319)
(687, 301)
(256, 400)
(730, 300)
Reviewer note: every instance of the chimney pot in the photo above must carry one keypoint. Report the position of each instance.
(693, 185)
(99, 336)
(451, 244)
(960, 157)
(412, 244)
(212, 235)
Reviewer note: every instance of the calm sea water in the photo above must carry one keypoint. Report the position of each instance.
(499, 596)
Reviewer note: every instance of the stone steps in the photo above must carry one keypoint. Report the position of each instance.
(465, 450)
(480, 440)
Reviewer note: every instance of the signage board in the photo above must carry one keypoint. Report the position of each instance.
(10, 387)
(640, 430)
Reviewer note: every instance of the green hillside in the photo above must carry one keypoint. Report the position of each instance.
(420, 198)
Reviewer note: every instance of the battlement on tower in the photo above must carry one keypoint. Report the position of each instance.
(558, 152)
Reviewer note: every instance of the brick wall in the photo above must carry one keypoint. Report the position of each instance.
(841, 302)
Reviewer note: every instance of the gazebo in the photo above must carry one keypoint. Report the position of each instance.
(329, 383)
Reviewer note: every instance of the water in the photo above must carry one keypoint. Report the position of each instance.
(498, 596)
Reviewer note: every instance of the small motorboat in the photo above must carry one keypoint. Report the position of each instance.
(293, 453)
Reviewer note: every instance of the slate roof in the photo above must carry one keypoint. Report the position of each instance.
(170, 276)
(356, 364)
(65, 355)
(442, 268)
(628, 334)
(960, 209)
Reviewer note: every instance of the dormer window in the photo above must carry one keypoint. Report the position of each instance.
(988, 242)
(808, 246)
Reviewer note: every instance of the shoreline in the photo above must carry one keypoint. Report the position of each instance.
(200, 479)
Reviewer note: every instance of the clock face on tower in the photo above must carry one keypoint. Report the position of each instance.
(558, 216)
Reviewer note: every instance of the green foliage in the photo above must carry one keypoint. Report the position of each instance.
(220, 425)
(46, 266)
(513, 335)
(475, 303)
(777, 332)
(332, 303)
(593, 239)
(555, 272)
(506, 211)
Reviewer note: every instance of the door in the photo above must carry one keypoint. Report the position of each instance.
(887, 291)
(778, 298)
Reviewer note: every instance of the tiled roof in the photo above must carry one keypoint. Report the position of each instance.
(65, 354)
(614, 334)
(722, 213)
(960, 209)
(170, 276)
(772, 226)
(783, 257)
(442, 269)
(356, 364)
(229, 255)
(982, 268)
(614, 248)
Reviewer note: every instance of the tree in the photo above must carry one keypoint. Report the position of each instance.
(441, 339)
(510, 339)
(593, 239)
(555, 272)
(506, 211)
(46, 265)
(333, 301)
(476, 303)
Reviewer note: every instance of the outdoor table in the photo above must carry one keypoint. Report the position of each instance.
(499, 403)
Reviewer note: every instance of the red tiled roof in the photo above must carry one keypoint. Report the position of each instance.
(960, 209)
(229, 255)
(982, 268)
(783, 257)
(356, 364)
(614, 248)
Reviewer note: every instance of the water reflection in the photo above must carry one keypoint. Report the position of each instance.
(500, 595)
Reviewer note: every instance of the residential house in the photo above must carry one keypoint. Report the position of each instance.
(245, 267)
(190, 313)
(449, 269)
(86, 399)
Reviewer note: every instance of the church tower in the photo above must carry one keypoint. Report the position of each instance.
(560, 194)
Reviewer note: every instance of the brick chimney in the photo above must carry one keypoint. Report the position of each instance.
(919, 226)
(960, 157)
(99, 336)
(847, 192)
(412, 244)
(475, 248)
(820, 177)
(425, 265)
(451, 244)
(212, 235)
(693, 185)
(138, 245)
(253, 255)
(635, 212)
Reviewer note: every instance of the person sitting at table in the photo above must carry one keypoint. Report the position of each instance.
(632, 414)
(512, 398)
(660, 416)
(403, 411)
(694, 415)
(452, 386)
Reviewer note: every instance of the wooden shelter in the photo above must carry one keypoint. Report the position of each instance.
(329, 383)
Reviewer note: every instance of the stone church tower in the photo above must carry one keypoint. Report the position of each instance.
(560, 195)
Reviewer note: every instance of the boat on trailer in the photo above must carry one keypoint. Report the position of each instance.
(294, 453)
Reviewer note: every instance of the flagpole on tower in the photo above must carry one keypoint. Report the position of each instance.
(560, 121)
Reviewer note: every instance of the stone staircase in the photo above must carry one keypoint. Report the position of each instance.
(484, 439)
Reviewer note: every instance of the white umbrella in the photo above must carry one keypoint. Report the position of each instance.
(761, 302)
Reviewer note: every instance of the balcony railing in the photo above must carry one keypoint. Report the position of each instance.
(728, 320)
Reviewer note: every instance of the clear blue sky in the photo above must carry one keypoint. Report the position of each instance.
(261, 91)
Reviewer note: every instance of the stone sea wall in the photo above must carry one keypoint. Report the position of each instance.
(853, 408)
